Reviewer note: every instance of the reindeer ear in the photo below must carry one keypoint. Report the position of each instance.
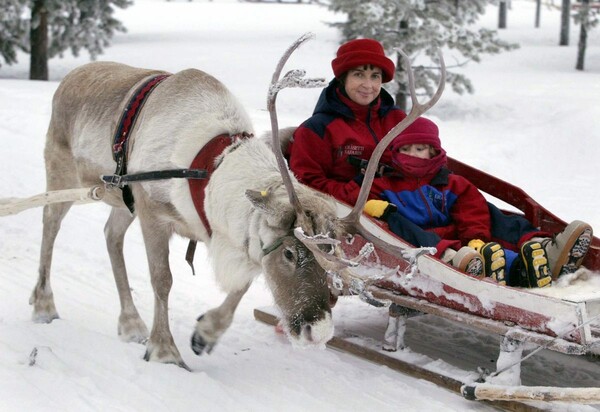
(279, 214)
(261, 199)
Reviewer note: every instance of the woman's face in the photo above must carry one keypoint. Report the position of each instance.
(363, 84)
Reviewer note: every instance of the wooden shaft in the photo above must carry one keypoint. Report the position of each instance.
(531, 393)
(13, 206)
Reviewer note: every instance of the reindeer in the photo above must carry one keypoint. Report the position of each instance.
(261, 219)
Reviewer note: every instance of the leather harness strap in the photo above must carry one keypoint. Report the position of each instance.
(124, 128)
(205, 160)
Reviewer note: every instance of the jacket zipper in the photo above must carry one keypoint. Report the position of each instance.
(424, 199)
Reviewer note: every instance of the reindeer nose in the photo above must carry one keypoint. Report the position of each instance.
(308, 333)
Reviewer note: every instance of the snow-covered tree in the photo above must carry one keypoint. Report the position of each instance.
(421, 28)
(53, 26)
(13, 29)
(83, 24)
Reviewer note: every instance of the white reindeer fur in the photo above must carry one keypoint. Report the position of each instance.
(220, 112)
(240, 230)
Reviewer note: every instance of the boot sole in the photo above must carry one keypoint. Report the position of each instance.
(568, 262)
(494, 262)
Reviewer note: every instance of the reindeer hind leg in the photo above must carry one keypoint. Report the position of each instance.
(42, 298)
(60, 174)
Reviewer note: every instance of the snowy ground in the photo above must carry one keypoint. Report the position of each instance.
(533, 121)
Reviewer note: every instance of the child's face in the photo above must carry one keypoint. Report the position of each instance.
(422, 151)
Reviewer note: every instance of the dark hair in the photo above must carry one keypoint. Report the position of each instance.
(342, 78)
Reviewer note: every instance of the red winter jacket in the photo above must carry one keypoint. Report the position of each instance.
(444, 203)
(339, 128)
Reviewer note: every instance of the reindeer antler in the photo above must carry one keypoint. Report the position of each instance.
(293, 78)
(352, 222)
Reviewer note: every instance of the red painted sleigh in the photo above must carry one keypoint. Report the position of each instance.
(565, 323)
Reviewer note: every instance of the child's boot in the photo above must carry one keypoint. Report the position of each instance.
(494, 261)
(535, 272)
(467, 260)
(566, 250)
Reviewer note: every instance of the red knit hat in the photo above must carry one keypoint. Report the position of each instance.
(421, 131)
(360, 52)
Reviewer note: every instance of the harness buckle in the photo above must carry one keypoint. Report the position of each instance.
(112, 181)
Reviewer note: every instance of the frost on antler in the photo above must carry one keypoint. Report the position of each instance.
(295, 78)
(347, 276)
(412, 255)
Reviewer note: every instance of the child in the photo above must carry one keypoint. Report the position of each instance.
(428, 206)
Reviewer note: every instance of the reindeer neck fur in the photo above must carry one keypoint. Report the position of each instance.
(243, 228)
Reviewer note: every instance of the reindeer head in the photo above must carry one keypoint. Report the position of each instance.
(296, 279)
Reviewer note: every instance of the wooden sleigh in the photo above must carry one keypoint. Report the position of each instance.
(563, 324)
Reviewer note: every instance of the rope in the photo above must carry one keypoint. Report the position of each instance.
(12, 206)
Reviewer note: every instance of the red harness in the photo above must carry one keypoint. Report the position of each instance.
(205, 160)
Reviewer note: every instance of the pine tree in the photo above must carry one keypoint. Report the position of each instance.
(83, 24)
(55, 26)
(420, 28)
(13, 29)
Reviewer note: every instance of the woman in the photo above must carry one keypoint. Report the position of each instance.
(352, 115)
(329, 150)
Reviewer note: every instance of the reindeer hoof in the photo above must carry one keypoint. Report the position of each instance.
(180, 363)
(200, 345)
(46, 317)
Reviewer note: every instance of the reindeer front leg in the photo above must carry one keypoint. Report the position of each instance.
(161, 346)
(211, 325)
(131, 327)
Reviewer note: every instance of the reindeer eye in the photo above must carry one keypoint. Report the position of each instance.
(289, 255)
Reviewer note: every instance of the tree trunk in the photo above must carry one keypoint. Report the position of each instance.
(585, 10)
(38, 68)
(401, 94)
(502, 15)
(565, 15)
(538, 12)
